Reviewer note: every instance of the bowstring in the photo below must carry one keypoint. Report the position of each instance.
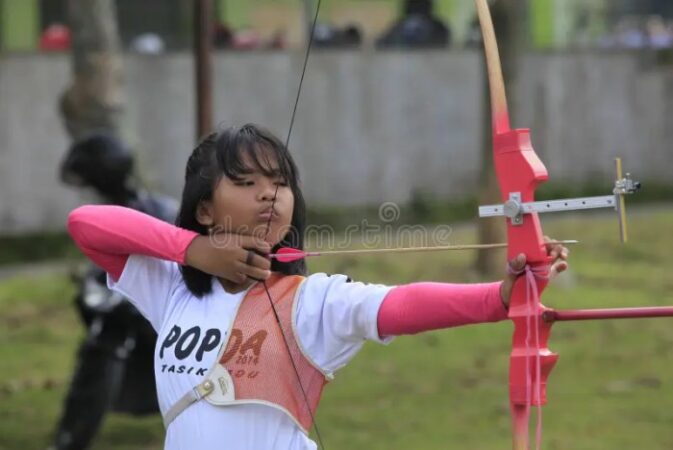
(268, 226)
(532, 274)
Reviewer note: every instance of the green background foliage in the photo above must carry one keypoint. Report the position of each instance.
(446, 389)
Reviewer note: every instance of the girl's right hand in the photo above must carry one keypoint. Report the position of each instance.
(233, 257)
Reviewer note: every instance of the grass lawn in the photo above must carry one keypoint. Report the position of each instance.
(611, 389)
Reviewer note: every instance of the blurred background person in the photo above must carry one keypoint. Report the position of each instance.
(331, 36)
(418, 28)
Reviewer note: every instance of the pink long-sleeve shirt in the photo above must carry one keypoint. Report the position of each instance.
(108, 235)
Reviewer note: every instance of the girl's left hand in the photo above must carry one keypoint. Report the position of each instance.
(558, 252)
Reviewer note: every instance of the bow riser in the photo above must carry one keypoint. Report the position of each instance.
(519, 170)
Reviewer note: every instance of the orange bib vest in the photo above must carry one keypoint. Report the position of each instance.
(254, 366)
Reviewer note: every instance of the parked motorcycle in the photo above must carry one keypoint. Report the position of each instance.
(114, 369)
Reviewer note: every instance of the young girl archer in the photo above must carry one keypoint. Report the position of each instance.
(245, 345)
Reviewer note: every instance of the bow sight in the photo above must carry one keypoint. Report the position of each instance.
(514, 208)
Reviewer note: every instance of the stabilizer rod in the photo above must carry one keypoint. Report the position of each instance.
(551, 315)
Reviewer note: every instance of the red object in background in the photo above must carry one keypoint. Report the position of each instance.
(55, 38)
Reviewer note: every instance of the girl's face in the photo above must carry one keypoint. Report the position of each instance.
(244, 205)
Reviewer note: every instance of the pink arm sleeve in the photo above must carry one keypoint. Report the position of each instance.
(420, 307)
(109, 234)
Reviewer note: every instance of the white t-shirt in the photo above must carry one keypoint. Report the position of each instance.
(333, 318)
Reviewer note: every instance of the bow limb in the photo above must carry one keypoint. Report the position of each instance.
(519, 172)
(496, 82)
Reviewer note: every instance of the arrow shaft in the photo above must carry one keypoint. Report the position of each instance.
(429, 249)
(412, 249)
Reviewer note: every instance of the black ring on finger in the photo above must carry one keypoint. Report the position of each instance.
(251, 256)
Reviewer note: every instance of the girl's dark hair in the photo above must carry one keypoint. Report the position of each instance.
(221, 154)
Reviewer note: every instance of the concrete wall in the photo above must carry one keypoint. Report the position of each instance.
(371, 126)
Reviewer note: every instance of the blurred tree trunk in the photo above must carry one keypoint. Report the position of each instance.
(203, 66)
(511, 24)
(94, 101)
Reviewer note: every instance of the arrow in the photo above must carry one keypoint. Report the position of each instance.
(287, 254)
